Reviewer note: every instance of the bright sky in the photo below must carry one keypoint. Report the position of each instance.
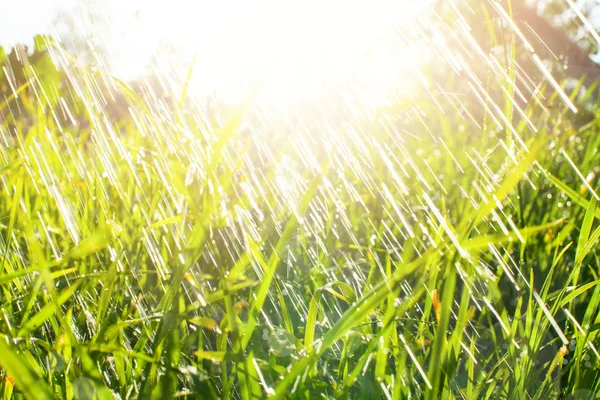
(23, 19)
(300, 46)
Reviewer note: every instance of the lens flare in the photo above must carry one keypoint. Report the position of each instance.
(284, 53)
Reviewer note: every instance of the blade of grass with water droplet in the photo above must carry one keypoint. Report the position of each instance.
(572, 194)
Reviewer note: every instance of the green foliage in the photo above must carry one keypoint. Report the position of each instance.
(135, 264)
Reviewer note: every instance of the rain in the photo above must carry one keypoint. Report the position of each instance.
(254, 207)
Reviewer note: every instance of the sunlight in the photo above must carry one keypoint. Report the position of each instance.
(382, 199)
(290, 52)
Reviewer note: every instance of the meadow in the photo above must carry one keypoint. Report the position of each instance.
(152, 247)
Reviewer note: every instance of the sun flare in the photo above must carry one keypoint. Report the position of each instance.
(284, 52)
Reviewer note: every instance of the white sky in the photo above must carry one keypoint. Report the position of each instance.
(299, 45)
(22, 19)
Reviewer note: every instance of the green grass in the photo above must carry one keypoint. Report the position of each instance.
(163, 255)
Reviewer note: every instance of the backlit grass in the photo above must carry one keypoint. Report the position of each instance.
(177, 252)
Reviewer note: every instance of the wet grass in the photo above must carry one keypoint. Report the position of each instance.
(182, 253)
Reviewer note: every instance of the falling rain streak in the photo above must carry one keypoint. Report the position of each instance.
(296, 187)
